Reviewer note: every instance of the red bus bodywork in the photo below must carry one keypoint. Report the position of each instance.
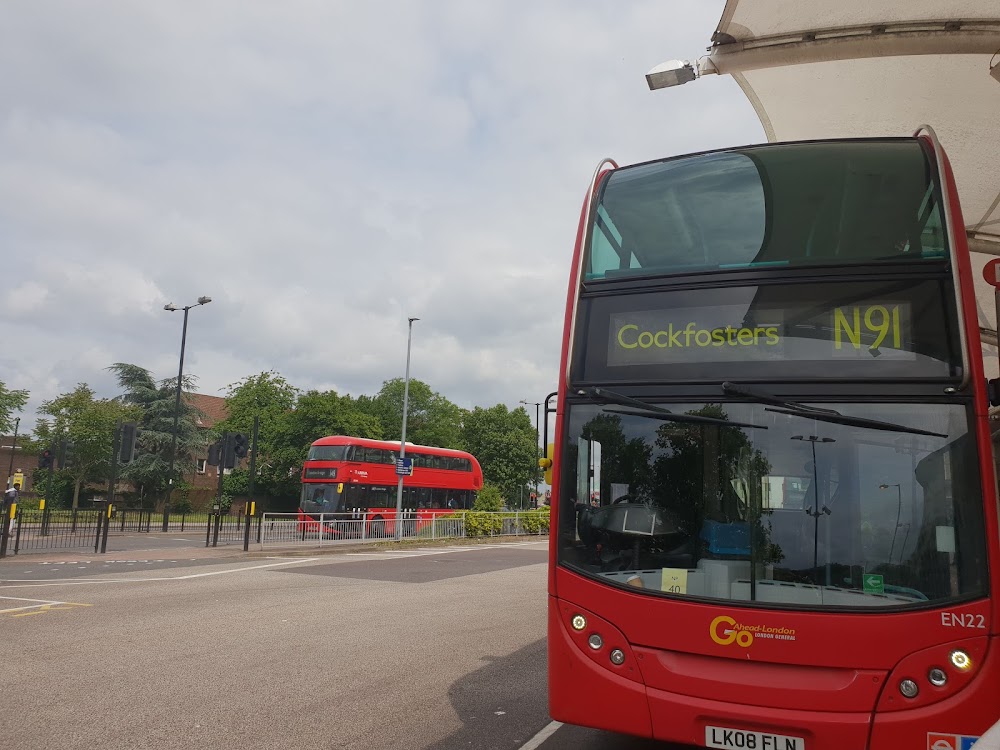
(432, 490)
(681, 673)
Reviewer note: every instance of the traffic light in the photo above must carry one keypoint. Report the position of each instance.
(126, 451)
(228, 451)
(241, 445)
(215, 453)
(65, 457)
(46, 459)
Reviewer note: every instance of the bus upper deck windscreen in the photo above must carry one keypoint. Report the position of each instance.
(786, 205)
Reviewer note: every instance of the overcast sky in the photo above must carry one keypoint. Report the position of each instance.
(322, 170)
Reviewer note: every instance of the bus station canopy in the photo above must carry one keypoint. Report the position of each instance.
(863, 68)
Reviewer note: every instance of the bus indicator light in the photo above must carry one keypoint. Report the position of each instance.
(961, 661)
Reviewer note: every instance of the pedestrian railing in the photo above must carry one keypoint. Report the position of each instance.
(53, 529)
(324, 529)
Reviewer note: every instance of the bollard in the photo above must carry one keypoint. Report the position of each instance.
(107, 525)
(5, 522)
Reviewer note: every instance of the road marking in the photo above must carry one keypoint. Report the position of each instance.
(400, 554)
(85, 581)
(45, 608)
(543, 735)
(39, 607)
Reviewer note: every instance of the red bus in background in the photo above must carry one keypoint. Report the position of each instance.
(356, 478)
(772, 385)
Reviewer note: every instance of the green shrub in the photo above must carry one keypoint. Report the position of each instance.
(25, 502)
(482, 524)
(489, 498)
(535, 521)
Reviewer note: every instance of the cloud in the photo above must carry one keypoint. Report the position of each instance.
(323, 171)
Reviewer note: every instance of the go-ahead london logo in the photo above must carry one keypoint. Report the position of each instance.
(726, 631)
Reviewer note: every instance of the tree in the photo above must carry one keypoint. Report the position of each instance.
(718, 471)
(271, 398)
(267, 395)
(504, 443)
(622, 461)
(431, 418)
(155, 402)
(87, 425)
(316, 414)
(10, 402)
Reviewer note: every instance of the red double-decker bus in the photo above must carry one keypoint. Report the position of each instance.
(353, 477)
(772, 380)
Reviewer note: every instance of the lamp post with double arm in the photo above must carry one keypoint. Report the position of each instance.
(171, 307)
(13, 447)
(816, 511)
(899, 511)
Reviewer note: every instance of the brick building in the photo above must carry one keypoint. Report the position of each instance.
(204, 479)
(213, 410)
(14, 457)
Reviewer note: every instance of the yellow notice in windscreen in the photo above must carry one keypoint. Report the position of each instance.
(674, 580)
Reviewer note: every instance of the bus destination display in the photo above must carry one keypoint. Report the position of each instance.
(732, 333)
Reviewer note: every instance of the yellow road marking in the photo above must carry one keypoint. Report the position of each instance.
(40, 609)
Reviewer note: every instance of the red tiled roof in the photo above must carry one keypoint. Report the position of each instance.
(213, 408)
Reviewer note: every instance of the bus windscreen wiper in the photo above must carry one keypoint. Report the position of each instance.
(821, 415)
(642, 409)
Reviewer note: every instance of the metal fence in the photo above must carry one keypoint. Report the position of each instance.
(226, 529)
(54, 529)
(181, 521)
(126, 519)
(300, 530)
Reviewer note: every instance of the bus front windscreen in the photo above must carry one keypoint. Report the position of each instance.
(321, 498)
(751, 502)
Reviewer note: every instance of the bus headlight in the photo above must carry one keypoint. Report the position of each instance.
(908, 688)
(595, 642)
(937, 677)
(579, 622)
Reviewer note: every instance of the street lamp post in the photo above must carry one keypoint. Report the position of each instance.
(177, 402)
(899, 510)
(402, 437)
(815, 512)
(13, 447)
(537, 405)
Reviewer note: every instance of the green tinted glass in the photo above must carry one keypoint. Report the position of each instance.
(837, 203)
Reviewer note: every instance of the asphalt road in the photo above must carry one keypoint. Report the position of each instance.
(440, 648)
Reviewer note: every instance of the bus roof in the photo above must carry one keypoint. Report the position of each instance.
(389, 445)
